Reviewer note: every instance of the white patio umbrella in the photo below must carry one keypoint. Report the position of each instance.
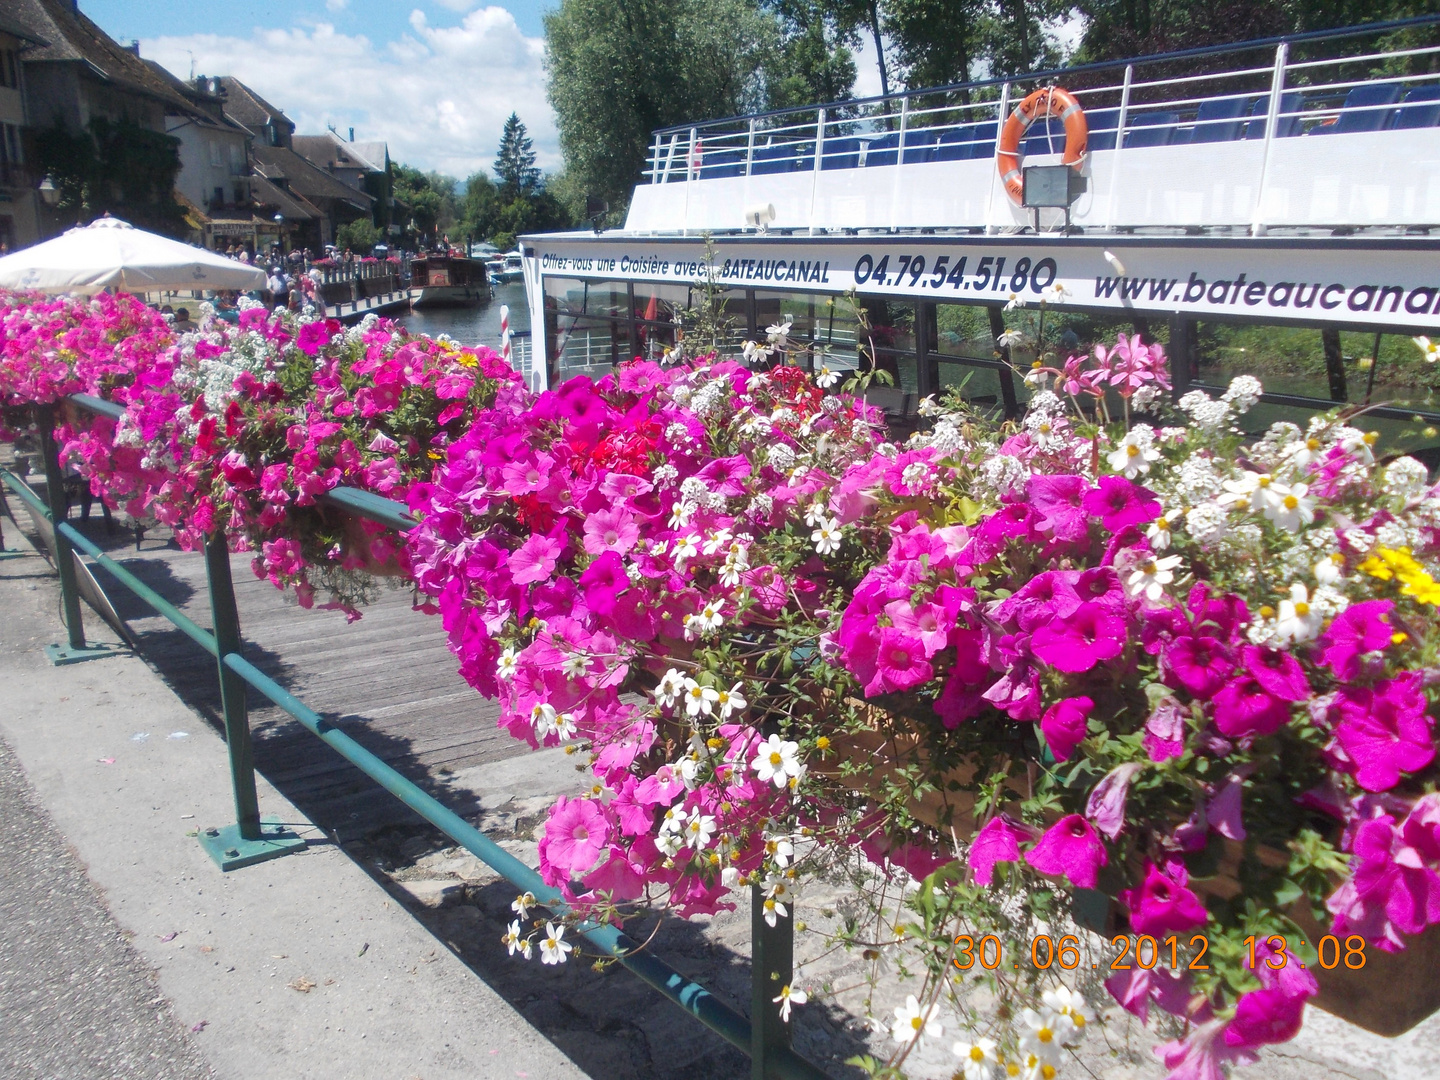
(110, 253)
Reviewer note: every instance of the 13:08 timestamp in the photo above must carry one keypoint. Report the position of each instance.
(1148, 952)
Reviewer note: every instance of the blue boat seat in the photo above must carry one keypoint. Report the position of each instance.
(1421, 108)
(715, 164)
(984, 144)
(1218, 121)
(881, 150)
(1046, 136)
(1371, 118)
(1151, 129)
(1286, 127)
(954, 144)
(773, 158)
(920, 145)
(1102, 124)
(840, 153)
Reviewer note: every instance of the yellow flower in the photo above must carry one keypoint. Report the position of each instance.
(1397, 563)
(822, 743)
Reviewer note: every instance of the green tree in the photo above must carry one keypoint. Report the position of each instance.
(935, 41)
(618, 69)
(114, 167)
(515, 160)
(360, 236)
(813, 62)
(428, 200)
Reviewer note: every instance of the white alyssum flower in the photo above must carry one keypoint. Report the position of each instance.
(978, 1059)
(1259, 492)
(827, 536)
(1297, 620)
(554, 949)
(699, 700)
(789, 996)
(1330, 569)
(1205, 412)
(1405, 478)
(1206, 522)
(914, 1023)
(1149, 578)
(1244, 393)
(780, 457)
(776, 761)
(1144, 397)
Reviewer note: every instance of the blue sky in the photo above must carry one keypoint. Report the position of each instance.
(433, 78)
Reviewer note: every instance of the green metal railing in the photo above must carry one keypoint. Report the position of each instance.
(250, 840)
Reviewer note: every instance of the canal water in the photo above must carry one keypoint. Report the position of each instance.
(473, 325)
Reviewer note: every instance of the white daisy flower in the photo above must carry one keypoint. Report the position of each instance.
(776, 760)
(914, 1023)
(789, 996)
(554, 949)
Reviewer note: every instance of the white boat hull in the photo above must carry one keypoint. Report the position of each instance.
(449, 296)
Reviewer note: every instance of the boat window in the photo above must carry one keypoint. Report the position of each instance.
(572, 297)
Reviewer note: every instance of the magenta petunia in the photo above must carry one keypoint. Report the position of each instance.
(996, 842)
(1244, 708)
(312, 338)
(1385, 731)
(1165, 731)
(535, 559)
(1117, 503)
(1277, 672)
(1267, 1015)
(613, 529)
(1161, 905)
(1106, 806)
(1076, 643)
(1196, 663)
(575, 835)
(602, 583)
(1064, 725)
(899, 663)
(1359, 629)
(1070, 847)
(1059, 501)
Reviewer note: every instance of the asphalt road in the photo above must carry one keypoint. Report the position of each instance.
(76, 1002)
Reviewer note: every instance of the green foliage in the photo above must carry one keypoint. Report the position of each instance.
(488, 213)
(618, 69)
(360, 236)
(428, 198)
(812, 62)
(114, 167)
(515, 160)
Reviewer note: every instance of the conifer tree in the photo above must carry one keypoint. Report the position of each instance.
(515, 162)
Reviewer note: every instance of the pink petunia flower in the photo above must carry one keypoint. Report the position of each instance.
(1244, 708)
(1199, 664)
(1359, 629)
(1106, 806)
(535, 559)
(1267, 1015)
(1165, 731)
(899, 663)
(1385, 731)
(1064, 725)
(1118, 502)
(1161, 905)
(1059, 501)
(996, 842)
(613, 529)
(1072, 848)
(575, 835)
(1090, 634)
(1277, 672)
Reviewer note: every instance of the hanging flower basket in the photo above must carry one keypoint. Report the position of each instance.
(373, 548)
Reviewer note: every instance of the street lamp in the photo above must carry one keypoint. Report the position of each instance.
(280, 223)
(49, 193)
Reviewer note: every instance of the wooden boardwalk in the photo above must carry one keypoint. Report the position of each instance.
(388, 680)
(390, 303)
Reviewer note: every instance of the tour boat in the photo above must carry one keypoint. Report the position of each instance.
(448, 281)
(1277, 187)
(512, 268)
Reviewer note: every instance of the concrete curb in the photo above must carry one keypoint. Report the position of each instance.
(301, 967)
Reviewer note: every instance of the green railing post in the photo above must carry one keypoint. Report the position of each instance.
(772, 959)
(248, 841)
(64, 553)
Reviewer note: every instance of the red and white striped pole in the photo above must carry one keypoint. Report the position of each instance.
(505, 333)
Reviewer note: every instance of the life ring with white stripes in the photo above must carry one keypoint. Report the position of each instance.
(1051, 101)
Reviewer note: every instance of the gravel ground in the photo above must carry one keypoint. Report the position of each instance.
(76, 1003)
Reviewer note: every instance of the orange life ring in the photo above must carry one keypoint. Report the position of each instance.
(1052, 101)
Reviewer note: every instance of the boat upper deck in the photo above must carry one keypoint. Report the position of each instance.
(1334, 132)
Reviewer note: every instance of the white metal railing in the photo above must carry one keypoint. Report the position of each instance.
(1245, 102)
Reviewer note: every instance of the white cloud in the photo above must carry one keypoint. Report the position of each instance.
(439, 95)
(336, 5)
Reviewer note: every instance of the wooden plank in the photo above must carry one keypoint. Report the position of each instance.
(388, 680)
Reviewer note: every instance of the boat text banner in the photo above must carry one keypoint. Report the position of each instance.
(1395, 286)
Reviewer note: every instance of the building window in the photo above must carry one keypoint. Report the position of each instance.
(10, 153)
(9, 70)
(219, 197)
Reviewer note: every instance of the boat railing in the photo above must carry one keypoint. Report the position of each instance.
(1144, 102)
